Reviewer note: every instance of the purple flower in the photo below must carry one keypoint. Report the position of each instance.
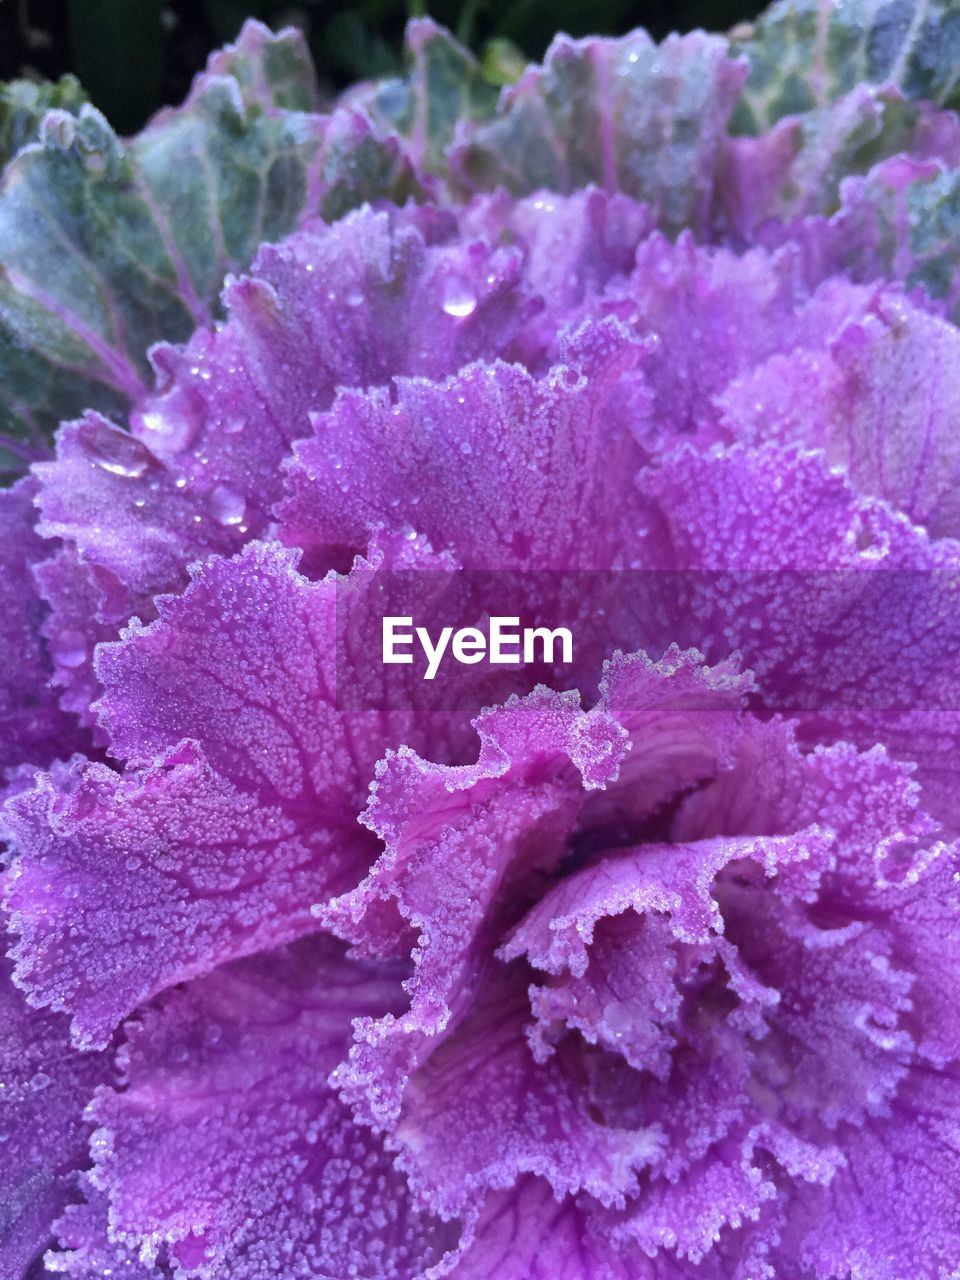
(649, 972)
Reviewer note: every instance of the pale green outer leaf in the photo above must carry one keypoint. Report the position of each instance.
(270, 69)
(24, 103)
(903, 221)
(106, 247)
(847, 137)
(444, 85)
(805, 54)
(625, 114)
(796, 168)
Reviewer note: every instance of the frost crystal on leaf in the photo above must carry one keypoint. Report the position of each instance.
(648, 972)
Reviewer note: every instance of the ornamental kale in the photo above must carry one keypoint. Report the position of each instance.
(649, 972)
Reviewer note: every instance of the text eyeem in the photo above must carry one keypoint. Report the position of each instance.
(504, 642)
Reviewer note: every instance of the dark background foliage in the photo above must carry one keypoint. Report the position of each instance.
(134, 55)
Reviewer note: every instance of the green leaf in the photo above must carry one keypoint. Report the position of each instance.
(24, 103)
(270, 70)
(902, 222)
(355, 167)
(503, 63)
(444, 84)
(796, 169)
(625, 114)
(107, 248)
(805, 54)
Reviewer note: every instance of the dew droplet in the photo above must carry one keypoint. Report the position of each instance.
(228, 506)
(156, 423)
(459, 299)
(120, 455)
(354, 298)
(69, 649)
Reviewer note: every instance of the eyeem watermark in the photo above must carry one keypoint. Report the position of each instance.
(818, 643)
(504, 643)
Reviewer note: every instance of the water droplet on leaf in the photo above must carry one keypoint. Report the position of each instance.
(120, 455)
(227, 505)
(459, 299)
(69, 649)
